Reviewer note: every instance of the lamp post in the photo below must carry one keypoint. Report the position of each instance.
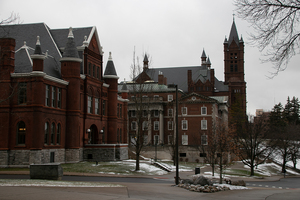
(176, 134)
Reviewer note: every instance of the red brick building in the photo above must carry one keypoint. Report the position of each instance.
(56, 104)
(204, 101)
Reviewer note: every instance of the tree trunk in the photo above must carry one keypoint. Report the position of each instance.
(252, 168)
(137, 162)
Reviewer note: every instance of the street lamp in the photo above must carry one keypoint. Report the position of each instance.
(176, 134)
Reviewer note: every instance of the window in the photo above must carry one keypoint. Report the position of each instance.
(170, 139)
(133, 125)
(121, 113)
(145, 125)
(59, 97)
(21, 133)
(90, 69)
(133, 114)
(202, 154)
(103, 107)
(156, 139)
(118, 131)
(203, 111)
(94, 71)
(182, 154)
(170, 112)
(52, 133)
(170, 97)
(118, 105)
(184, 125)
(98, 69)
(156, 113)
(231, 68)
(90, 101)
(170, 125)
(53, 96)
(156, 125)
(184, 110)
(58, 133)
(184, 139)
(22, 95)
(204, 139)
(46, 133)
(203, 124)
(235, 68)
(47, 95)
(145, 113)
(121, 136)
(97, 106)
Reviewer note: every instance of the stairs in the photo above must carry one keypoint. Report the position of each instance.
(162, 166)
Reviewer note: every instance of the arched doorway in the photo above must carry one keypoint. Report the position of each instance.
(94, 134)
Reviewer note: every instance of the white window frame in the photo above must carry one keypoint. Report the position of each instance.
(156, 125)
(204, 124)
(96, 106)
(184, 125)
(170, 97)
(90, 104)
(185, 140)
(145, 125)
(170, 125)
(184, 110)
(156, 139)
(170, 112)
(203, 110)
(204, 140)
(171, 139)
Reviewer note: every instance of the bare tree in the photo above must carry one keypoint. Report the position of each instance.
(252, 143)
(276, 23)
(139, 106)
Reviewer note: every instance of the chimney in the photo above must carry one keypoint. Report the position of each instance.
(38, 57)
(212, 78)
(7, 57)
(165, 81)
(160, 78)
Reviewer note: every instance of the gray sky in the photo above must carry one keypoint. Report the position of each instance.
(173, 32)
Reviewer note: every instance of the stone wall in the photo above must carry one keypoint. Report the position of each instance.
(105, 152)
(74, 155)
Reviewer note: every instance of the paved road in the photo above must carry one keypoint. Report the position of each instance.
(284, 183)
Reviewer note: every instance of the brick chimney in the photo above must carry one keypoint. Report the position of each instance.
(160, 78)
(38, 57)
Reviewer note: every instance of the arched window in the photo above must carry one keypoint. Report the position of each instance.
(46, 133)
(52, 133)
(21, 132)
(58, 133)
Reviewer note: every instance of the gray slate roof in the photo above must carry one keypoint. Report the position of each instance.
(52, 40)
(178, 76)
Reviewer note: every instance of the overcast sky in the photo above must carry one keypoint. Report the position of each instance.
(174, 33)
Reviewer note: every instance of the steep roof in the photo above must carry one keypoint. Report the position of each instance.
(52, 41)
(110, 69)
(233, 35)
(178, 75)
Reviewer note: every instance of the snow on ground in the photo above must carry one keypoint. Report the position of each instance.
(47, 183)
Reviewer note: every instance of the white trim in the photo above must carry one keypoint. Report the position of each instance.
(105, 85)
(39, 74)
(70, 59)
(54, 43)
(111, 76)
(82, 76)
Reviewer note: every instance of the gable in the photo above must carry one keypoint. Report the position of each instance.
(93, 46)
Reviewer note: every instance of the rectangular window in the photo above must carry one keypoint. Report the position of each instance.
(203, 124)
(59, 97)
(184, 110)
(170, 97)
(204, 139)
(145, 125)
(47, 95)
(170, 125)
(145, 113)
(156, 125)
(185, 140)
(58, 131)
(156, 139)
(118, 105)
(96, 106)
(184, 125)
(156, 113)
(53, 97)
(133, 113)
(203, 111)
(121, 113)
(90, 101)
(46, 133)
(133, 125)
(104, 107)
(22, 94)
(170, 139)
(170, 112)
